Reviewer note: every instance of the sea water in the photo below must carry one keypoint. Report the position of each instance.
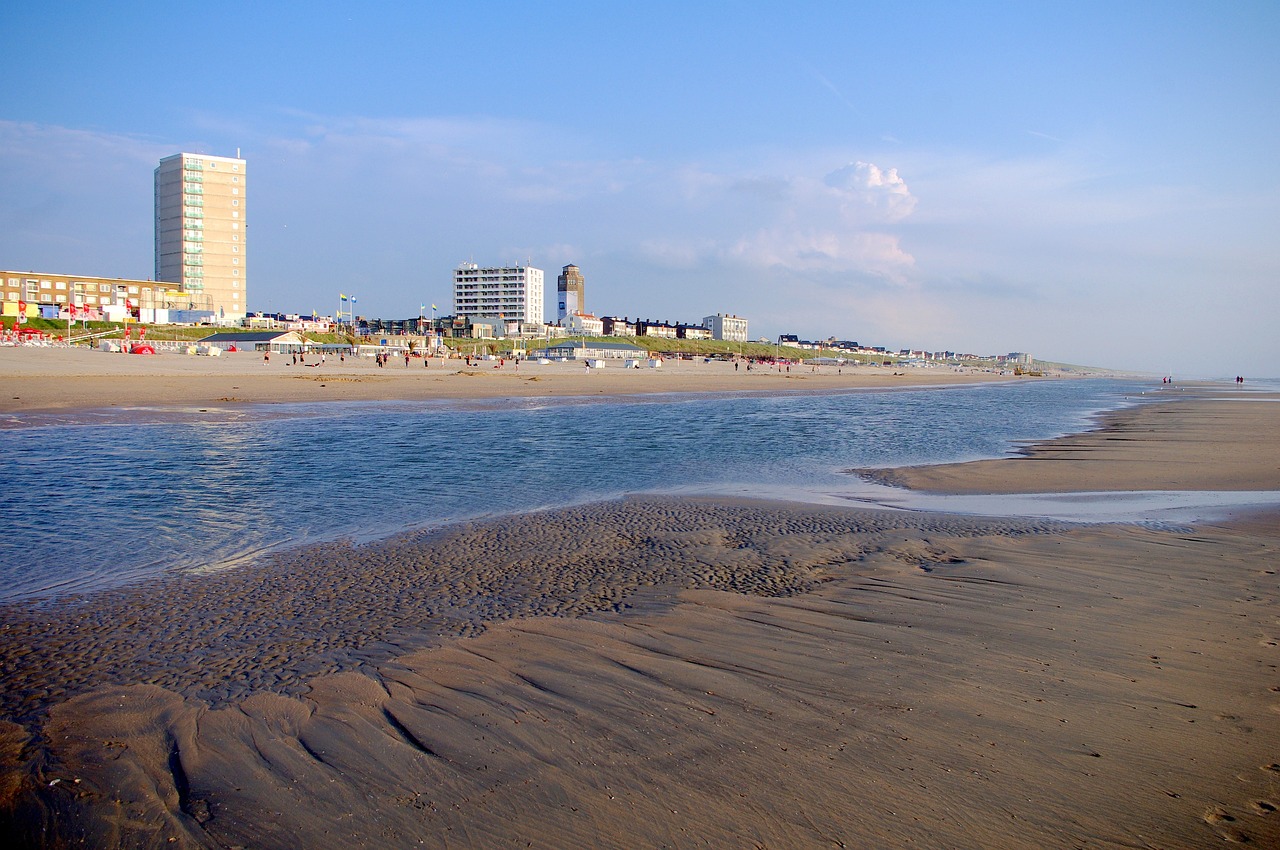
(104, 498)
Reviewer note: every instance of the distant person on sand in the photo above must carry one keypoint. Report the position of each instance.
(266, 358)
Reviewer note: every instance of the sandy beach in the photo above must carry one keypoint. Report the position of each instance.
(1208, 440)
(43, 379)
(654, 672)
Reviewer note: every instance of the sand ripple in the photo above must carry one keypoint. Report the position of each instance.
(334, 607)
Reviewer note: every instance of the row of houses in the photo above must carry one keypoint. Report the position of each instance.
(584, 324)
(292, 342)
(719, 326)
(844, 346)
(1015, 358)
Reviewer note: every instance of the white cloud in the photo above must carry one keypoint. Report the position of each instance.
(839, 224)
(865, 252)
(864, 185)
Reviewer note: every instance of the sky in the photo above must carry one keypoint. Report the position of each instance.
(1091, 182)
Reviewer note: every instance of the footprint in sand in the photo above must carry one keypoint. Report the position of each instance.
(1218, 818)
(1217, 815)
(1262, 807)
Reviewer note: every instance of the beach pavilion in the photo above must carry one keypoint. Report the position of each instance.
(587, 350)
(277, 342)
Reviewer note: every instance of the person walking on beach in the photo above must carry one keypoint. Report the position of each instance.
(266, 358)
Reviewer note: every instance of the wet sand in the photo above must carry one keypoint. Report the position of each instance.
(46, 379)
(654, 672)
(1205, 439)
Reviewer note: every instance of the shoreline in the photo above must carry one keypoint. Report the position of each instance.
(655, 671)
(42, 380)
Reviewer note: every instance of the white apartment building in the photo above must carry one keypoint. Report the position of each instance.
(513, 293)
(201, 231)
(732, 328)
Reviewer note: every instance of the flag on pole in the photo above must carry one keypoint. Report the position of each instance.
(434, 307)
(343, 297)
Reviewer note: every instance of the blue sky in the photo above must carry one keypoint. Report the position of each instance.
(1091, 182)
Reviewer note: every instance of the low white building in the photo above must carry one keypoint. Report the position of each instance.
(731, 328)
(583, 324)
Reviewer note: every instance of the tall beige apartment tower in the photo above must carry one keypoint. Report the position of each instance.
(201, 236)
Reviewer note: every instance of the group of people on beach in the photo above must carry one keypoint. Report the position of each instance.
(299, 359)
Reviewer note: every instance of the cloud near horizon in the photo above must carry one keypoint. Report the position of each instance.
(839, 224)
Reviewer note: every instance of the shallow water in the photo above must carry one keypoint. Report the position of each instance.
(96, 500)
